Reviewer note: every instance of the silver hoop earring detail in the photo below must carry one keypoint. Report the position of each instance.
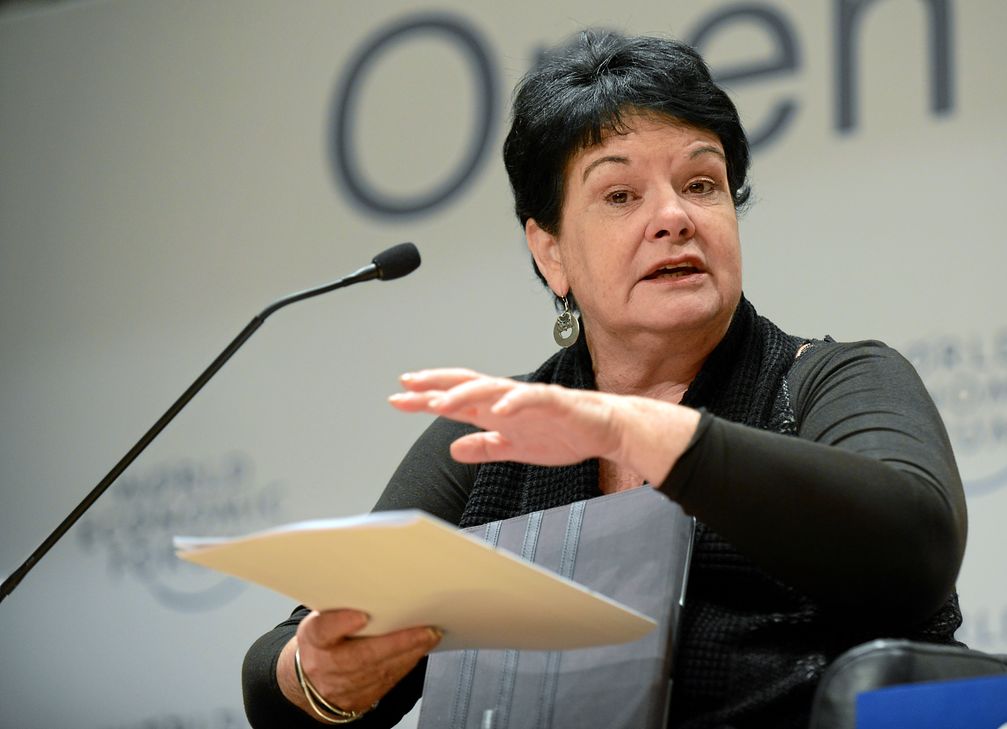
(566, 330)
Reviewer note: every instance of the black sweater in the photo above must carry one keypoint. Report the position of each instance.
(863, 511)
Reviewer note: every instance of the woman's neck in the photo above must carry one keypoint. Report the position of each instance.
(647, 365)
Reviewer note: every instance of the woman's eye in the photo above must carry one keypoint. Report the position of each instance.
(619, 197)
(701, 187)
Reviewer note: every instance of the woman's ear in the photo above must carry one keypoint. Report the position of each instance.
(544, 248)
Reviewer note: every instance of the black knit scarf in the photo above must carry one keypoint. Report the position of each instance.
(740, 381)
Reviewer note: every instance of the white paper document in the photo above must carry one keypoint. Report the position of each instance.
(407, 568)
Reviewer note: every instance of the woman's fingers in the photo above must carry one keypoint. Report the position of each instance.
(442, 378)
(527, 397)
(370, 657)
(353, 673)
(475, 395)
(329, 628)
(425, 390)
(501, 394)
(414, 402)
(551, 425)
(460, 394)
(482, 448)
(362, 670)
(527, 422)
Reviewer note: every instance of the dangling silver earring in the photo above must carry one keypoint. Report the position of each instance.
(566, 330)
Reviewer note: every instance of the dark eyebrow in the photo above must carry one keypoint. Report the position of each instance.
(609, 158)
(706, 149)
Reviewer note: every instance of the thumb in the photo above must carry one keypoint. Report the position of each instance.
(482, 447)
(328, 628)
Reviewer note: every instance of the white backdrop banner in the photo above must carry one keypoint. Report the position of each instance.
(169, 168)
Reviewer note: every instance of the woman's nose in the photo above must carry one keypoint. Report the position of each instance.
(671, 219)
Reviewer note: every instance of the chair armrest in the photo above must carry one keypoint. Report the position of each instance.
(883, 663)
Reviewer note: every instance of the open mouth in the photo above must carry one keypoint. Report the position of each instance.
(671, 272)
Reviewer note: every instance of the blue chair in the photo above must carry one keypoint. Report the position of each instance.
(883, 663)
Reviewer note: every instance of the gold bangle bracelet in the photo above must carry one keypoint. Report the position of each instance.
(326, 712)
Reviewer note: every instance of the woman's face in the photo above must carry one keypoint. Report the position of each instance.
(648, 236)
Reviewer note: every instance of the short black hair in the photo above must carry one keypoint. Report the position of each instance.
(583, 89)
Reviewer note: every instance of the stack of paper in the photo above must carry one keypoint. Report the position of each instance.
(407, 568)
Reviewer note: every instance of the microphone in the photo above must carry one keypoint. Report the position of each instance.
(395, 262)
(399, 260)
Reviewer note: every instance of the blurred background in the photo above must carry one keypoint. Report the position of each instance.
(170, 167)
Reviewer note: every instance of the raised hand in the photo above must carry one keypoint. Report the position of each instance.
(533, 423)
(550, 425)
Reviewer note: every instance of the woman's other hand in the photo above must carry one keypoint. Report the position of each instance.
(351, 673)
(549, 425)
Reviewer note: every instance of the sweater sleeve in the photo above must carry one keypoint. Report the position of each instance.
(428, 479)
(864, 508)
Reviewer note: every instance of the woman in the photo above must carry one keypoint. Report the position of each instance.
(830, 508)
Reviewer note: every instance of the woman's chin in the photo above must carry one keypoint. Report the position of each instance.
(701, 309)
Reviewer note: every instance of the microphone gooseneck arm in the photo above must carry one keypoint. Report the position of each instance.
(393, 263)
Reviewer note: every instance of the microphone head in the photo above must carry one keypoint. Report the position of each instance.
(397, 261)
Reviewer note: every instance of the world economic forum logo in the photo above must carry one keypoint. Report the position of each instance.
(966, 375)
(145, 510)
